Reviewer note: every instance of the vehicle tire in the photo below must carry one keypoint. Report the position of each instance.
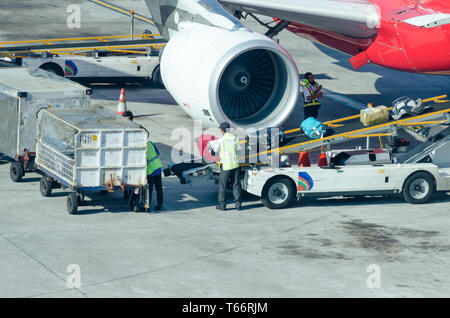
(52, 68)
(72, 203)
(278, 193)
(156, 77)
(46, 186)
(16, 171)
(133, 201)
(418, 188)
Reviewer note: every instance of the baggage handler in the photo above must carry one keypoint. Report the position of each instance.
(312, 92)
(229, 169)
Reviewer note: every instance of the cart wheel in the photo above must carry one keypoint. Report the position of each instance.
(418, 188)
(133, 201)
(72, 203)
(46, 186)
(278, 193)
(16, 171)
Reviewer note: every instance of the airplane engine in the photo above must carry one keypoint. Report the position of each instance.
(239, 76)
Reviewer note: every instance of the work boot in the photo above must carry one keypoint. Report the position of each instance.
(221, 207)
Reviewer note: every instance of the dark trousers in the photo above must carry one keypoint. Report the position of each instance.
(311, 111)
(157, 182)
(226, 175)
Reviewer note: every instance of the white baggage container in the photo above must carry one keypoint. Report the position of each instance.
(90, 149)
(23, 93)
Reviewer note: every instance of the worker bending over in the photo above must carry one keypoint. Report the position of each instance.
(312, 92)
(154, 175)
(154, 168)
(229, 169)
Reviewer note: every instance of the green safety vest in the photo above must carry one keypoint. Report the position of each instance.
(313, 102)
(153, 161)
(229, 152)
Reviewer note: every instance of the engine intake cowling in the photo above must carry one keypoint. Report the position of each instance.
(240, 76)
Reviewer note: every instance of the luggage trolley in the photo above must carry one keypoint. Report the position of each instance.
(23, 94)
(88, 150)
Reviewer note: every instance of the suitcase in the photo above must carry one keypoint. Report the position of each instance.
(374, 115)
(202, 145)
(313, 128)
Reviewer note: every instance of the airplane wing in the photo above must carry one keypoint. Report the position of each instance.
(354, 18)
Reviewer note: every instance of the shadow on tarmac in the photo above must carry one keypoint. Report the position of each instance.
(144, 92)
(438, 197)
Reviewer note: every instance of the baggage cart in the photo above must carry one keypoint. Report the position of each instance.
(23, 93)
(91, 149)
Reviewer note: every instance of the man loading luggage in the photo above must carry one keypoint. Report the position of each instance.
(154, 171)
(228, 150)
(312, 92)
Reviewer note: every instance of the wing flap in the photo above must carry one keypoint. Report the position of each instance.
(356, 18)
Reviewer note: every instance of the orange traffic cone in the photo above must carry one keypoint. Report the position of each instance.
(323, 162)
(303, 160)
(122, 107)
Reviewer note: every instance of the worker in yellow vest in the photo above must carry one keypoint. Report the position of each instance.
(229, 169)
(154, 175)
(312, 92)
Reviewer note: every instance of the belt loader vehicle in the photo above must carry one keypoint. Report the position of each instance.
(415, 175)
(90, 59)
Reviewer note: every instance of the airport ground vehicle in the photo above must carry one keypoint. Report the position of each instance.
(100, 68)
(416, 174)
(91, 149)
(91, 59)
(278, 187)
(23, 94)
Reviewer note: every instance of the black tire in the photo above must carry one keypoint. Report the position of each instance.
(53, 68)
(278, 193)
(16, 171)
(133, 201)
(46, 186)
(418, 188)
(72, 203)
(156, 77)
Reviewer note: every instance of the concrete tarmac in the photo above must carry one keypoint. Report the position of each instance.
(332, 247)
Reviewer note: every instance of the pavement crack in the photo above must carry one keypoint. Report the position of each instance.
(39, 262)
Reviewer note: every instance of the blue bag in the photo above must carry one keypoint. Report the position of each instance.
(313, 128)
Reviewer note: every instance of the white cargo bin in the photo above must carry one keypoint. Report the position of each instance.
(91, 150)
(23, 93)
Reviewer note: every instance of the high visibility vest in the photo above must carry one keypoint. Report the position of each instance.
(153, 161)
(229, 152)
(313, 101)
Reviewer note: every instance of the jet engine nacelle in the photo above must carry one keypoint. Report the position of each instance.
(239, 76)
